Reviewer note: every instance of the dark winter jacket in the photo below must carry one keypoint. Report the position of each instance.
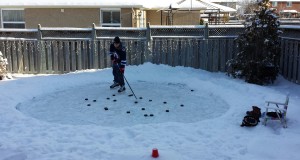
(118, 55)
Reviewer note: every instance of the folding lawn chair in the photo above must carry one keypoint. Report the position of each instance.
(278, 111)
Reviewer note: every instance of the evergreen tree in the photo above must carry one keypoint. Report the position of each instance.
(259, 48)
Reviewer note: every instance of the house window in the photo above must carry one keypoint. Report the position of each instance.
(274, 4)
(12, 18)
(110, 18)
(289, 4)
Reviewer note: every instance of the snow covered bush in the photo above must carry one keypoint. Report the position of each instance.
(259, 48)
(3, 63)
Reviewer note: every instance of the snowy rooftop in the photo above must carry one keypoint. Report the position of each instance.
(153, 4)
(284, 1)
(82, 3)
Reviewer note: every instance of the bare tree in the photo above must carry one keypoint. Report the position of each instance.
(247, 7)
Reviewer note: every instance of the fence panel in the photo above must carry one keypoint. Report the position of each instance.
(62, 50)
(295, 62)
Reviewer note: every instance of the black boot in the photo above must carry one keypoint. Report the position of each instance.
(114, 85)
(122, 88)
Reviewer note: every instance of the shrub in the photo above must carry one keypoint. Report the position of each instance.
(3, 63)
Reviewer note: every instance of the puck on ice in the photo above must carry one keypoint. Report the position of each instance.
(86, 99)
(128, 112)
(145, 115)
(151, 115)
(94, 100)
(181, 105)
(143, 109)
(167, 110)
(115, 100)
(88, 104)
(105, 108)
(165, 102)
(150, 100)
(136, 102)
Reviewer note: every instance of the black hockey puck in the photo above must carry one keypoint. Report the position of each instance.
(88, 104)
(165, 102)
(136, 102)
(105, 108)
(141, 97)
(107, 98)
(143, 109)
(86, 99)
(128, 112)
(181, 105)
(113, 95)
(151, 115)
(167, 110)
(192, 90)
(145, 115)
(115, 100)
(150, 100)
(94, 100)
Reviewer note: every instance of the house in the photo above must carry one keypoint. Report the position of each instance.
(83, 13)
(228, 3)
(287, 9)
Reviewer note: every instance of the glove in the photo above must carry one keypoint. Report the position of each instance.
(122, 70)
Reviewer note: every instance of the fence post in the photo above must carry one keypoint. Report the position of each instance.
(93, 48)
(40, 54)
(206, 31)
(205, 50)
(148, 57)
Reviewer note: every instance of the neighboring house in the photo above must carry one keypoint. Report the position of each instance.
(228, 3)
(287, 9)
(83, 13)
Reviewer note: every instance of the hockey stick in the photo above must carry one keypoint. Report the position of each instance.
(126, 81)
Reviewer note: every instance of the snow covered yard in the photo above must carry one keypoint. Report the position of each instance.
(47, 117)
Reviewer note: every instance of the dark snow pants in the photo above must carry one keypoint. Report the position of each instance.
(118, 76)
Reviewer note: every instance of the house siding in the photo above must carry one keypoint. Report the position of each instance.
(0, 18)
(179, 17)
(186, 18)
(54, 17)
(71, 17)
(282, 6)
(154, 17)
(126, 17)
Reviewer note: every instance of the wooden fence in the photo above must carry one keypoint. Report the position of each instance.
(60, 50)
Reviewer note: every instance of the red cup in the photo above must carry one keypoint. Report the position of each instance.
(155, 153)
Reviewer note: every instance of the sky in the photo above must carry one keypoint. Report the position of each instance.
(195, 115)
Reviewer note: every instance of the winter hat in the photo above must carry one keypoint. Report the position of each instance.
(117, 40)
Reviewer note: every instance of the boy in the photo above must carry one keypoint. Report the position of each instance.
(118, 58)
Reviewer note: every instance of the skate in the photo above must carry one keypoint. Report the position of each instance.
(114, 85)
(122, 88)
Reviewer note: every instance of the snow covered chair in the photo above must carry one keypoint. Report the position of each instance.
(278, 111)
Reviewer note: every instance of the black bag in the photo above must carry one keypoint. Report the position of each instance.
(249, 121)
(274, 114)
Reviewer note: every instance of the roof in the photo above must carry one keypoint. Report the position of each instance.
(70, 3)
(149, 4)
(284, 0)
(288, 11)
(197, 5)
(232, 1)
